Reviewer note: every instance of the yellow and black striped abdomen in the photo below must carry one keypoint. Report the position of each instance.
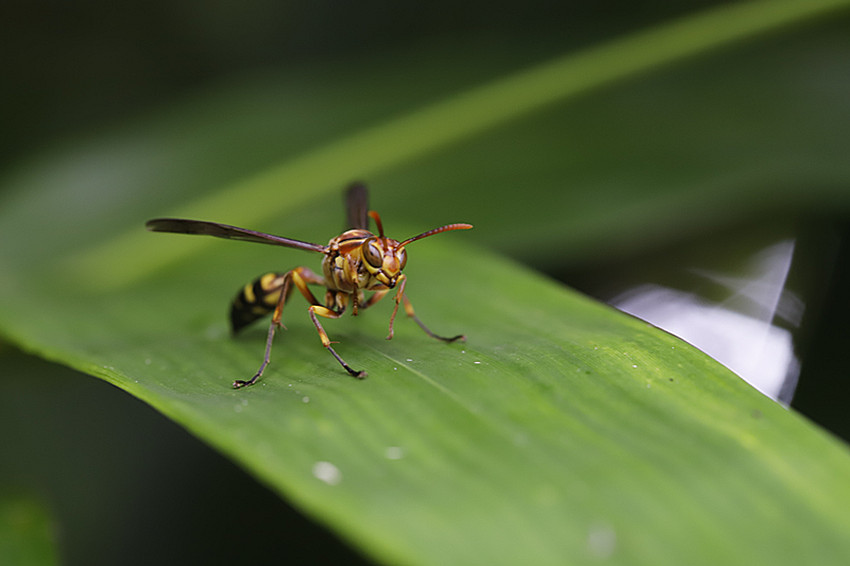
(255, 300)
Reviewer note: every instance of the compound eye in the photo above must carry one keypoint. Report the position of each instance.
(372, 252)
(402, 258)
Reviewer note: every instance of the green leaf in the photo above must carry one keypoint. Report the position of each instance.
(26, 532)
(562, 431)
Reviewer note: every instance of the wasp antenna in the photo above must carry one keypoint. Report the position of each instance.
(377, 218)
(445, 228)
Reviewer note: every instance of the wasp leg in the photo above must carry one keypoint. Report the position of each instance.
(408, 309)
(317, 309)
(240, 383)
(376, 296)
(301, 276)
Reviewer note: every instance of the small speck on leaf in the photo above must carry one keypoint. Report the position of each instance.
(394, 453)
(327, 472)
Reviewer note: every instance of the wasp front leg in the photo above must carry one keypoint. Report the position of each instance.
(408, 308)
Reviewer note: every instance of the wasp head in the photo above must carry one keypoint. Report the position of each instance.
(385, 258)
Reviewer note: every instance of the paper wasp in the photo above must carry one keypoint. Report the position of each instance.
(355, 261)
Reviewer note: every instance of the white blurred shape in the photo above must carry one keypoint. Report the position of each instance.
(739, 331)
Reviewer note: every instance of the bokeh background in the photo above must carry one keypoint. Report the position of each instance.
(119, 479)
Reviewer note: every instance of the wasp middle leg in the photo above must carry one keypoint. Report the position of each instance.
(300, 278)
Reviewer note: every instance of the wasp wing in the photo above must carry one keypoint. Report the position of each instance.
(200, 227)
(357, 207)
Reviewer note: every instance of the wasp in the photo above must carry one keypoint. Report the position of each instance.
(355, 261)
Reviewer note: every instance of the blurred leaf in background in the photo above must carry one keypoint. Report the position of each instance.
(26, 532)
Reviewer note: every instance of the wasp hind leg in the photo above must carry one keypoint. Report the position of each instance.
(301, 277)
(240, 383)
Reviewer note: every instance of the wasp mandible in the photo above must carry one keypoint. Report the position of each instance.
(355, 261)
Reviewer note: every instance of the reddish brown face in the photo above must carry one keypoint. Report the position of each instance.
(384, 259)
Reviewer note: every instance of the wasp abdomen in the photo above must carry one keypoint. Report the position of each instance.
(255, 300)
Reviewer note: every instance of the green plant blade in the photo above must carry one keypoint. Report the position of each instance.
(561, 431)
